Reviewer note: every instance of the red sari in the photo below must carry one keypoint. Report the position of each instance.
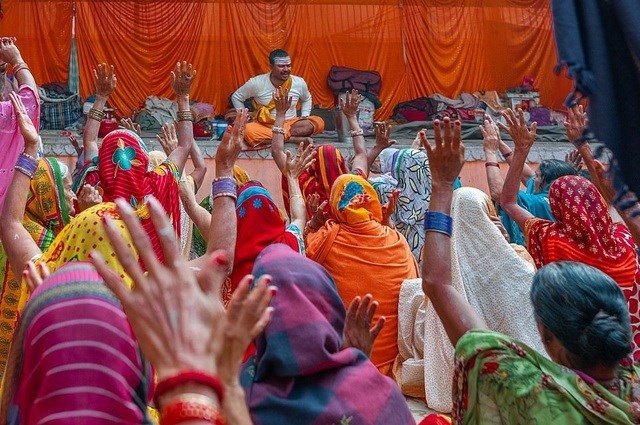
(585, 232)
(260, 224)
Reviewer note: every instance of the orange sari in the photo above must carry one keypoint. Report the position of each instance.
(364, 256)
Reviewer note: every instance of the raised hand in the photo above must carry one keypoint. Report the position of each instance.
(383, 131)
(319, 217)
(88, 197)
(576, 122)
(522, 135)
(390, 207)
(304, 159)
(105, 80)
(350, 104)
(446, 158)
(358, 331)
(74, 141)
(182, 78)
(27, 129)
(9, 52)
(169, 138)
(490, 135)
(178, 324)
(574, 158)
(248, 313)
(231, 144)
(282, 100)
(35, 274)
(129, 124)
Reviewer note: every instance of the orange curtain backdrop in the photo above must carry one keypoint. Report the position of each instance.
(419, 47)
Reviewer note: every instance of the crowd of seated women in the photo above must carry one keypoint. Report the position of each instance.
(365, 290)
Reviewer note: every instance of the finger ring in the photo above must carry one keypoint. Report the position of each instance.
(166, 231)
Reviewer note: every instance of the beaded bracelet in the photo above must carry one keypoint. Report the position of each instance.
(191, 407)
(491, 164)
(435, 221)
(357, 132)
(185, 115)
(277, 129)
(96, 114)
(26, 164)
(189, 376)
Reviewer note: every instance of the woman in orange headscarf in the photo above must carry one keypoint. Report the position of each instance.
(363, 256)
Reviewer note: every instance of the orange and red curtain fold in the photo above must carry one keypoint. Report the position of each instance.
(420, 47)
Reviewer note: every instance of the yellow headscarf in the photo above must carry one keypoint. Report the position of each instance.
(86, 233)
(353, 200)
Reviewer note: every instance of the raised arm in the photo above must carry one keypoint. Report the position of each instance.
(18, 243)
(181, 80)
(349, 108)
(283, 103)
(201, 217)
(523, 138)
(223, 228)
(491, 145)
(445, 160)
(383, 130)
(507, 153)
(10, 54)
(199, 166)
(105, 82)
(293, 168)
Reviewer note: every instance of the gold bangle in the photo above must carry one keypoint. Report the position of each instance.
(96, 114)
(185, 116)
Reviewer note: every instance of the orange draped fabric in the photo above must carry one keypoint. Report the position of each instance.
(420, 47)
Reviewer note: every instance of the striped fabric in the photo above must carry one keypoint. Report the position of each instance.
(75, 359)
(300, 374)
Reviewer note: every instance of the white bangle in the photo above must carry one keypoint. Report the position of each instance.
(357, 132)
(276, 129)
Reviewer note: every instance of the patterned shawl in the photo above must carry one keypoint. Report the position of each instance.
(299, 370)
(495, 280)
(45, 215)
(75, 359)
(260, 224)
(353, 200)
(85, 233)
(123, 172)
(406, 170)
(584, 232)
(318, 178)
(499, 380)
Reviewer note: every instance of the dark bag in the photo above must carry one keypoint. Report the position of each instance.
(420, 109)
(342, 79)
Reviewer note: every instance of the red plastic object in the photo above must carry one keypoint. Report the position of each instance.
(107, 126)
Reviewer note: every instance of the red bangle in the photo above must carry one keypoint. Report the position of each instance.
(187, 376)
(507, 155)
(491, 164)
(191, 407)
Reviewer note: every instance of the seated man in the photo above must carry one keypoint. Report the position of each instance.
(261, 89)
